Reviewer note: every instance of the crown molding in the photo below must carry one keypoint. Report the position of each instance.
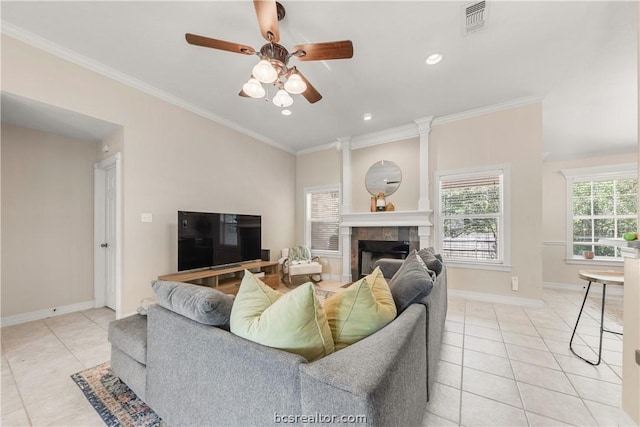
(317, 148)
(74, 57)
(486, 110)
(382, 137)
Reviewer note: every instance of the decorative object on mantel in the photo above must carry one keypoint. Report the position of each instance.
(381, 202)
(383, 179)
(390, 207)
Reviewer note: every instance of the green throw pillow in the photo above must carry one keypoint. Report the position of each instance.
(293, 322)
(363, 308)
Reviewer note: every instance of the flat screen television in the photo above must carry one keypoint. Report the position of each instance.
(209, 240)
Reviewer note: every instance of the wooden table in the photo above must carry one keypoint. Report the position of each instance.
(606, 278)
(218, 277)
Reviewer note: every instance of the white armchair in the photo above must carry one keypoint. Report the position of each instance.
(297, 261)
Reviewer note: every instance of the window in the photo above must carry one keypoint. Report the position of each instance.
(322, 219)
(602, 204)
(472, 217)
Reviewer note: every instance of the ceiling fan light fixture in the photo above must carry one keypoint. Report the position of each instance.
(282, 99)
(253, 88)
(295, 84)
(264, 72)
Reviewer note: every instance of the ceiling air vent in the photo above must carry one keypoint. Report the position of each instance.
(475, 16)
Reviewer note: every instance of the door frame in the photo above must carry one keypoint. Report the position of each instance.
(99, 261)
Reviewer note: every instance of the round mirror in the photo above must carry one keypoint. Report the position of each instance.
(383, 177)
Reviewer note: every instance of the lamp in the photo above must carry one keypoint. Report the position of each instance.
(253, 88)
(264, 72)
(282, 99)
(295, 84)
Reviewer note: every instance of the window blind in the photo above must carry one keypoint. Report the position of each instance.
(471, 215)
(324, 218)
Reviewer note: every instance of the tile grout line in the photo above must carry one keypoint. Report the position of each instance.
(15, 384)
(562, 369)
(515, 380)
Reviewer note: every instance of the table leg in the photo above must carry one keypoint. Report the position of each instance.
(586, 295)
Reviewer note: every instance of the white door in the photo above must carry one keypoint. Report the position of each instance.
(107, 232)
(110, 243)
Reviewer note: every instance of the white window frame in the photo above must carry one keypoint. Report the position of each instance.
(619, 171)
(503, 263)
(307, 223)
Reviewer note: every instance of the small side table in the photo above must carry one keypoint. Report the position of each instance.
(606, 278)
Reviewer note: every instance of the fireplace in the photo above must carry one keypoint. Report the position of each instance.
(369, 251)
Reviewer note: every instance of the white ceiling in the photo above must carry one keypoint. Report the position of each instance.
(579, 57)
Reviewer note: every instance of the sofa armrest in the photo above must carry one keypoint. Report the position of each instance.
(382, 377)
(388, 266)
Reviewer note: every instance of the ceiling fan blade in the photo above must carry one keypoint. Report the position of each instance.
(321, 51)
(219, 44)
(311, 94)
(267, 14)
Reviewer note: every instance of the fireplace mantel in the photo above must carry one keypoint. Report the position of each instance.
(386, 219)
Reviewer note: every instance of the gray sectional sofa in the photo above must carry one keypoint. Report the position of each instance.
(195, 374)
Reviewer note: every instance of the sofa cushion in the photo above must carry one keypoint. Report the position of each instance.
(431, 259)
(129, 335)
(363, 308)
(293, 322)
(200, 303)
(411, 283)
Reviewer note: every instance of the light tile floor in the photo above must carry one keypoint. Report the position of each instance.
(500, 365)
(508, 365)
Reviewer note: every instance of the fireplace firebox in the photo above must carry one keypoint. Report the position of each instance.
(369, 251)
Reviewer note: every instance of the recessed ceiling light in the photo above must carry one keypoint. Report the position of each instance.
(434, 58)
(286, 112)
(367, 117)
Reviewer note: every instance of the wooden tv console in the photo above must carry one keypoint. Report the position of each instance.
(227, 279)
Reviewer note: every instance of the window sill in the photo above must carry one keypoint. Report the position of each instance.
(595, 261)
(477, 266)
(323, 254)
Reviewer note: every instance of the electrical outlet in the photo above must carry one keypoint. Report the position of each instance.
(514, 283)
(146, 217)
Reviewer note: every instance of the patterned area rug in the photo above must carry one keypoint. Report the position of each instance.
(116, 404)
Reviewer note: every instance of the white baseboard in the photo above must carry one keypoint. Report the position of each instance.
(502, 299)
(611, 290)
(628, 421)
(335, 277)
(43, 314)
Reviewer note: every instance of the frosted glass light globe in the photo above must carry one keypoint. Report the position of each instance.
(295, 84)
(253, 88)
(282, 99)
(265, 72)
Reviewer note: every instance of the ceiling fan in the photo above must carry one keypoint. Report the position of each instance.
(272, 68)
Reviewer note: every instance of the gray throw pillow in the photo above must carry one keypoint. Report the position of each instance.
(432, 260)
(411, 283)
(200, 303)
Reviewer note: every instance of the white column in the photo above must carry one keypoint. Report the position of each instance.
(345, 145)
(424, 128)
(424, 204)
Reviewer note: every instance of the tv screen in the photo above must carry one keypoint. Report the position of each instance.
(217, 239)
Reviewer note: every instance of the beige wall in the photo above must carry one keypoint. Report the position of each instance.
(404, 154)
(172, 160)
(514, 137)
(554, 208)
(47, 227)
(317, 169)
